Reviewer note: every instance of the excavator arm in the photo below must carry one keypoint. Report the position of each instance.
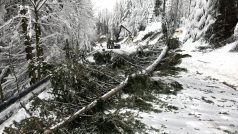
(119, 32)
(122, 27)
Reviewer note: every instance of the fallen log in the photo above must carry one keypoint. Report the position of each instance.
(108, 95)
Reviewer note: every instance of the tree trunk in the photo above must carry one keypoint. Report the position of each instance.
(176, 14)
(164, 25)
(39, 49)
(28, 47)
(189, 8)
(164, 7)
(1, 93)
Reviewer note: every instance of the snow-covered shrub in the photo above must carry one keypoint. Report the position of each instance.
(200, 19)
(154, 27)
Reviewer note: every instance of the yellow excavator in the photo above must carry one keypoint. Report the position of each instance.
(111, 43)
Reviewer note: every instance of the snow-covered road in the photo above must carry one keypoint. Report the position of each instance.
(219, 64)
(205, 106)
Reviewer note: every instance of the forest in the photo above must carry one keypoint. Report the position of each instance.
(118, 66)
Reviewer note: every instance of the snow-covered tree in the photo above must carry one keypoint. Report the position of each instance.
(77, 19)
(102, 22)
(132, 14)
(22, 30)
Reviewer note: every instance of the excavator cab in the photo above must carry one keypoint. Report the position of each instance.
(110, 44)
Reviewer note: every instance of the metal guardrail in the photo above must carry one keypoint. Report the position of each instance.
(22, 94)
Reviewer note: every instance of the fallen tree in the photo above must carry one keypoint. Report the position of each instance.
(108, 95)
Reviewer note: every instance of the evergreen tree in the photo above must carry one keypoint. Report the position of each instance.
(225, 22)
(157, 10)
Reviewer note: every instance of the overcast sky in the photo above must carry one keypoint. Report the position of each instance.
(102, 4)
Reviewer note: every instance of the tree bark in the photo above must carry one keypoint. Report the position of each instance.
(108, 95)
(176, 14)
(164, 25)
(39, 50)
(164, 7)
(28, 47)
(189, 8)
(1, 93)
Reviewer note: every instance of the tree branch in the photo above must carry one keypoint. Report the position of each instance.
(4, 73)
(40, 4)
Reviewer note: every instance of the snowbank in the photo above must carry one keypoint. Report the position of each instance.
(153, 27)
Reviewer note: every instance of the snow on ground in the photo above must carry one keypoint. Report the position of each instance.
(205, 105)
(19, 113)
(220, 64)
(126, 48)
